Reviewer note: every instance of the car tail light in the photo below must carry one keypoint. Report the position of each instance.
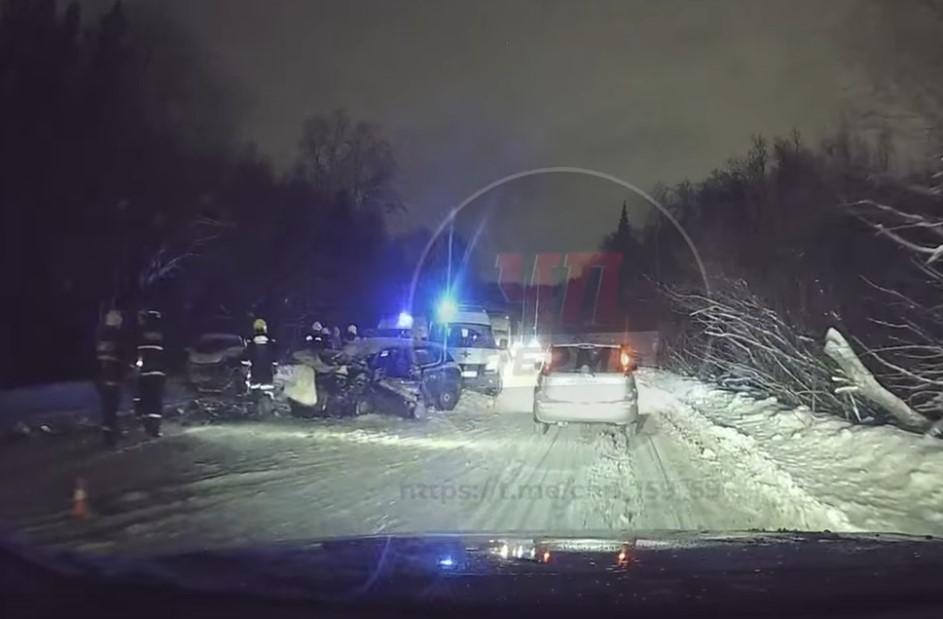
(624, 558)
(627, 360)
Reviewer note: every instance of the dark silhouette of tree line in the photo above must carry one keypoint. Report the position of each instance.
(797, 239)
(122, 185)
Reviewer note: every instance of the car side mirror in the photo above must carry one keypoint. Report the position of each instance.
(503, 343)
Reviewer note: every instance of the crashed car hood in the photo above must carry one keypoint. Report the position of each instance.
(745, 572)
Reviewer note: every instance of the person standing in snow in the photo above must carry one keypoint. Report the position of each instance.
(350, 336)
(261, 357)
(336, 341)
(110, 352)
(314, 338)
(152, 373)
(260, 353)
(327, 338)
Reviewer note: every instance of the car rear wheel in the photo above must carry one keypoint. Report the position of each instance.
(541, 428)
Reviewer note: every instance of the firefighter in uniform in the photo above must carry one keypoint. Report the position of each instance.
(351, 336)
(109, 351)
(314, 337)
(151, 371)
(260, 353)
(327, 338)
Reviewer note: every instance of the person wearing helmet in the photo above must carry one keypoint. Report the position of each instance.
(351, 334)
(110, 354)
(260, 353)
(152, 371)
(314, 338)
(327, 338)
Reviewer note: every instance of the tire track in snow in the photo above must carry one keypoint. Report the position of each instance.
(664, 478)
(494, 508)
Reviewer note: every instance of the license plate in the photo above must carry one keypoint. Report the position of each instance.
(469, 373)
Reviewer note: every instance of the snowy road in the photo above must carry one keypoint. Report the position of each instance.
(474, 469)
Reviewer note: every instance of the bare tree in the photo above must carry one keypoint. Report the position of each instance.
(911, 363)
(856, 379)
(339, 156)
(735, 339)
(170, 256)
(899, 47)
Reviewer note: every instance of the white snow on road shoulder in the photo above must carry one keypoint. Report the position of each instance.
(871, 478)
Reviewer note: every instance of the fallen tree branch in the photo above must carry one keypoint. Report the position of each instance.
(839, 350)
(734, 339)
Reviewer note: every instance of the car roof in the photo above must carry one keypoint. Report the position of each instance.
(370, 345)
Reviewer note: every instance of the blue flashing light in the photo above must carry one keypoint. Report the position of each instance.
(446, 562)
(447, 310)
(404, 321)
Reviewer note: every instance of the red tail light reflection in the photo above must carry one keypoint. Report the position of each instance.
(627, 360)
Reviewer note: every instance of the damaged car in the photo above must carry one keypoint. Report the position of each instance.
(214, 363)
(410, 377)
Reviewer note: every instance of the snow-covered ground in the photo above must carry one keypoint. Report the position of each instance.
(702, 460)
(880, 478)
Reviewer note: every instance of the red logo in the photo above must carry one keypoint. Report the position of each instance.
(576, 288)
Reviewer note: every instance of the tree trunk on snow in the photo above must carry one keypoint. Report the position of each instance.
(840, 351)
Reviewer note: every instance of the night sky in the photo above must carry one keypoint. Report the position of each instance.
(471, 91)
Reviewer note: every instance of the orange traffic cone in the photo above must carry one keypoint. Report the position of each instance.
(80, 500)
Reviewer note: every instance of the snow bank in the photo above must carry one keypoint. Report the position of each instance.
(76, 395)
(66, 404)
(879, 478)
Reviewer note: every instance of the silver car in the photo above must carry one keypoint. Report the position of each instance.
(587, 383)
(213, 364)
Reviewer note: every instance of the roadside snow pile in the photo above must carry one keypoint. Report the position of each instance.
(38, 399)
(67, 406)
(46, 408)
(881, 478)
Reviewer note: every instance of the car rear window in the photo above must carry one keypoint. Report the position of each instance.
(575, 359)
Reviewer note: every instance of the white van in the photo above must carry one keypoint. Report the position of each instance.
(469, 338)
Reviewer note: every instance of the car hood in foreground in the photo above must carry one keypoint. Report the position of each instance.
(676, 571)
